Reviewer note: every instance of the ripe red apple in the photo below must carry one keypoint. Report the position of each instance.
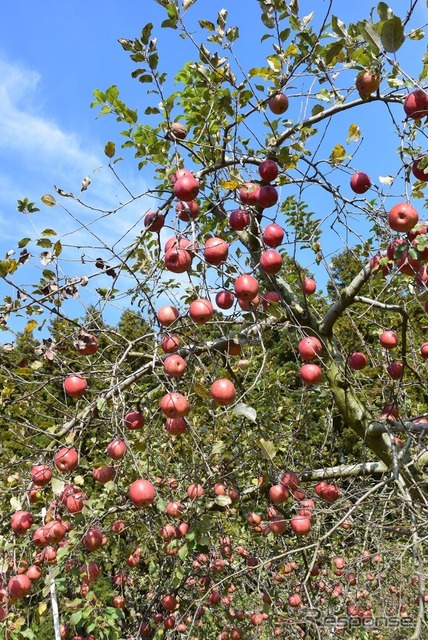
(330, 492)
(273, 235)
(201, 311)
(169, 602)
(249, 305)
(416, 104)
(248, 193)
(170, 343)
(390, 412)
(186, 188)
(178, 260)
(239, 220)
(308, 286)
(357, 360)
(216, 251)
(420, 173)
(195, 491)
(187, 210)
(75, 385)
(310, 348)
(388, 339)
(19, 586)
(271, 261)
(268, 170)
(310, 374)
(267, 196)
(278, 493)
(403, 217)
(66, 459)
(175, 509)
(246, 287)
(181, 242)
(40, 475)
(270, 297)
(167, 315)
(223, 392)
(224, 299)
(154, 221)
(34, 572)
(360, 182)
(141, 493)
(278, 525)
(21, 521)
(300, 525)
(395, 369)
(278, 104)
(174, 366)
(256, 619)
(134, 420)
(424, 350)
(92, 540)
(174, 405)
(367, 82)
(175, 426)
(103, 474)
(116, 449)
(291, 480)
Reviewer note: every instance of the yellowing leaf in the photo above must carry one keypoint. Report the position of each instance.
(338, 154)
(268, 449)
(79, 480)
(30, 326)
(42, 608)
(354, 133)
(230, 184)
(48, 200)
(201, 390)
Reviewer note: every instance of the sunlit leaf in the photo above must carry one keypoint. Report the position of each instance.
(392, 34)
(242, 409)
(48, 200)
(30, 326)
(268, 449)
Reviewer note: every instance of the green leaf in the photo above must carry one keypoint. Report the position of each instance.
(110, 149)
(268, 449)
(183, 552)
(384, 11)
(392, 34)
(242, 409)
(76, 617)
(370, 35)
(338, 27)
(48, 200)
(48, 232)
(57, 248)
(23, 243)
(57, 486)
(206, 24)
(223, 500)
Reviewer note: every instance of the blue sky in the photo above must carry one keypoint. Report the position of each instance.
(53, 55)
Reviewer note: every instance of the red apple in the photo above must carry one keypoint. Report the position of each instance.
(367, 82)
(310, 348)
(278, 525)
(278, 104)
(224, 299)
(402, 217)
(246, 287)
(75, 385)
(388, 339)
(330, 493)
(175, 509)
(416, 104)
(116, 449)
(395, 369)
(424, 350)
(169, 602)
(195, 491)
(187, 210)
(360, 182)
(66, 459)
(154, 221)
(186, 188)
(267, 196)
(181, 242)
(268, 170)
(92, 540)
(40, 475)
(308, 286)
(180, 173)
(291, 480)
(103, 474)
(216, 251)
(19, 586)
(300, 525)
(167, 315)
(178, 260)
(175, 426)
(223, 392)
(86, 344)
(273, 235)
(249, 305)
(142, 493)
(420, 172)
(268, 298)
(357, 360)
(271, 261)
(278, 493)
(134, 420)
(174, 366)
(239, 220)
(248, 193)
(174, 405)
(201, 311)
(21, 521)
(310, 374)
(170, 343)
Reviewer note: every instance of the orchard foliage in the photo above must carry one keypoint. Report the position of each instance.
(243, 454)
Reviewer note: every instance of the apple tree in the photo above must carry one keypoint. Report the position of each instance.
(243, 454)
